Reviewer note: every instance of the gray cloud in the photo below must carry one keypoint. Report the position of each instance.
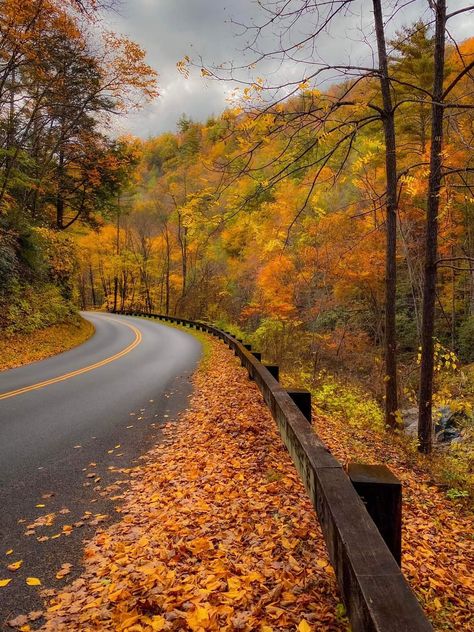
(170, 29)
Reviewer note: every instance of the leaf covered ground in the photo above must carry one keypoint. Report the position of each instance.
(18, 349)
(216, 530)
(217, 534)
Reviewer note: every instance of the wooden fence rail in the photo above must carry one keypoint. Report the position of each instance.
(375, 592)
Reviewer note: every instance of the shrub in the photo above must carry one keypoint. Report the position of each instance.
(33, 307)
(348, 402)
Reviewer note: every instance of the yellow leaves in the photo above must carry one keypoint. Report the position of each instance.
(4, 582)
(200, 545)
(199, 617)
(15, 565)
(183, 66)
(127, 622)
(437, 603)
(158, 623)
(304, 626)
(33, 581)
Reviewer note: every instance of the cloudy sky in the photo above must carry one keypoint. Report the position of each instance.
(170, 29)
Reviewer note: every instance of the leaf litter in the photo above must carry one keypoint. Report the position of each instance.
(216, 531)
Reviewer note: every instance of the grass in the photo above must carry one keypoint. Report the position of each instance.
(19, 349)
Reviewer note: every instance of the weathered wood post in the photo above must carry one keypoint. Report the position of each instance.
(381, 492)
(302, 398)
(274, 370)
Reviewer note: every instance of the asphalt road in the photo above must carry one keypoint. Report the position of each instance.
(68, 425)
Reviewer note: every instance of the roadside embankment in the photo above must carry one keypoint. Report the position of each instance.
(22, 348)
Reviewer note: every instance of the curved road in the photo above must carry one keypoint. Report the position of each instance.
(67, 426)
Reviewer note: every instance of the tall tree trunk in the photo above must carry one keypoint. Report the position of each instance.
(117, 252)
(167, 272)
(60, 192)
(91, 279)
(425, 423)
(391, 393)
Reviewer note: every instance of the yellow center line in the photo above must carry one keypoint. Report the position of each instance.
(86, 369)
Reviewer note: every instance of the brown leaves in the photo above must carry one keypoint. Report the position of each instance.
(22, 621)
(216, 530)
(65, 570)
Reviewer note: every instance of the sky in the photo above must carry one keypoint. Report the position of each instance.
(209, 29)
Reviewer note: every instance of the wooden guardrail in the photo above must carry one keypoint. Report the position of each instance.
(375, 593)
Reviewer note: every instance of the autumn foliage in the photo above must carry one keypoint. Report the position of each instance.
(63, 78)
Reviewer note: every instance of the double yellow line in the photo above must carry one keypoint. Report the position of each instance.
(86, 369)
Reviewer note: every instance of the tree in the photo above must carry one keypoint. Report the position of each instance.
(439, 105)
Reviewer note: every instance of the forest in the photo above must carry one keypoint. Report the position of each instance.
(333, 228)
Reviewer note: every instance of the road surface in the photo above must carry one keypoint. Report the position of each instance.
(68, 424)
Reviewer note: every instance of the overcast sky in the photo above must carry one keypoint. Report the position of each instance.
(170, 29)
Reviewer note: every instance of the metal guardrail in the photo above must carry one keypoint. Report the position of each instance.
(376, 595)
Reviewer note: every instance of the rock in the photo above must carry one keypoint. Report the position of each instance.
(409, 416)
(447, 423)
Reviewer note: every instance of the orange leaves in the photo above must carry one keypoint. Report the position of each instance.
(216, 532)
(199, 618)
(15, 565)
(200, 545)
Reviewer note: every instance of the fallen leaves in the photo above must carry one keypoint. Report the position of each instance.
(22, 621)
(216, 531)
(65, 570)
(4, 582)
(15, 565)
(33, 581)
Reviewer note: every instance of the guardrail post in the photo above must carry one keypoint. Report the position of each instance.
(381, 492)
(274, 370)
(302, 398)
(257, 355)
(248, 347)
